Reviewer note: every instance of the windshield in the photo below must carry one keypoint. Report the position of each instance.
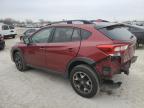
(117, 33)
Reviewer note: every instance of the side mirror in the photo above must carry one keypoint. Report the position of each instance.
(26, 40)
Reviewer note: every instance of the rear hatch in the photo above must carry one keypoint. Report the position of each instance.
(121, 37)
(12, 30)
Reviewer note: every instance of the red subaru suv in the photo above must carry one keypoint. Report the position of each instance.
(87, 53)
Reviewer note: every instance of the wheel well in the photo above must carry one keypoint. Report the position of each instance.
(75, 64)
(82, 62)
(14, 53)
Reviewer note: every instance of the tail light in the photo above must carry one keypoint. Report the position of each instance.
(113, 50)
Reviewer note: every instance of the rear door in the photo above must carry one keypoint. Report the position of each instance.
(64, 46)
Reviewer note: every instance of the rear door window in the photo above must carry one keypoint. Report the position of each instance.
(117, 33)
(62, 34)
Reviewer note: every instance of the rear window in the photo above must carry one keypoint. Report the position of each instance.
(117, 33)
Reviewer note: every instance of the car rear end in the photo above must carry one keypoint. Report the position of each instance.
(2, 42)
(12, 31)
(120, 53)
(138, 31)
(8, 31)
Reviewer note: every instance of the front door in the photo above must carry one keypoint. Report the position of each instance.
(35, 52)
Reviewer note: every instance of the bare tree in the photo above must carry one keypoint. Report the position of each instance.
(8, 21)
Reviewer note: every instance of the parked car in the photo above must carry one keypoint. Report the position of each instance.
(28, 32)
(87, 54)
(2, 42)
(138, 32)
(7, 30)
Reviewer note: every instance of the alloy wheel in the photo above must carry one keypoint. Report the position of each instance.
(82, 82)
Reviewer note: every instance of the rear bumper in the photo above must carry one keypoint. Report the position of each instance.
(10, 35)
(111, 66)
(134, 59)
(125, 67)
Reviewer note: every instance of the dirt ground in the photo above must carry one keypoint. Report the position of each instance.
(39, 89)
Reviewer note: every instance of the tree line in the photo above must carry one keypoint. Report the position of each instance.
(11, 21)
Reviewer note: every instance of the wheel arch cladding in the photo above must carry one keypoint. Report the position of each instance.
(14, 51)
(79, 61)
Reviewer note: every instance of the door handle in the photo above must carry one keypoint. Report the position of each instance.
(42, 48)
(70, 49)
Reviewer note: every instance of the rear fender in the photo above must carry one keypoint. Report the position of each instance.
(81, 60)
(13, 50)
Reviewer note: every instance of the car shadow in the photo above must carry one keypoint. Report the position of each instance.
(52, 75)
(62, 80)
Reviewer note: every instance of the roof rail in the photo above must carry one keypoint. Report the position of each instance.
(99, 20)
(72, 22)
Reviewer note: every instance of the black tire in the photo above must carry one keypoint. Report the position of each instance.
(81, 86)
(19, 62)
(2, 46)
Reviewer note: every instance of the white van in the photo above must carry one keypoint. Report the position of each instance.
(7, 30)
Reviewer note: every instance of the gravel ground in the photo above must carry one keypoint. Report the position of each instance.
(38, 89)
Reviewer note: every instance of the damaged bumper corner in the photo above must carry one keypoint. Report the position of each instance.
(134, 59)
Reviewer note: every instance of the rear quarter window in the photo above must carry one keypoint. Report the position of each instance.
(85, 34)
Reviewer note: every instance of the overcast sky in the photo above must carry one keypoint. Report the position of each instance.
(72, 9)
